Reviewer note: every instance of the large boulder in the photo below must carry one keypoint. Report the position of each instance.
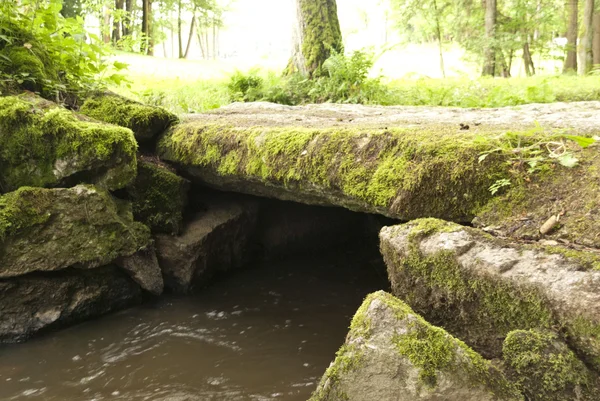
(215, 240)
(392, 354)
(44, 145)
(45, 230)
(159, 197)
(38, 302)
(401, 162)
(545, 369)
(146, 122)
(480, 288)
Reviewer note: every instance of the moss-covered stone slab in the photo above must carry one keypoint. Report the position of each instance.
(44, 145)
(44, 230)
(38, 302)
(215, 240)
(144, 269)
(480, 288)
(545, 369)
(159, 197)
(146, 122)
(390, 161)
(393, 354)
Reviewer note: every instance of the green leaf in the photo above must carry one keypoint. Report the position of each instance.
(582, 141)
(568, 160)
(120, 66)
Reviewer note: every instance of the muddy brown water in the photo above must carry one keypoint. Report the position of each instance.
(265, 333)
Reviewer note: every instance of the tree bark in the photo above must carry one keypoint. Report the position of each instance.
(438, 32)
(148, 42)
(527, 60)
(117, 21)
(179, 30)
(489, 57)
(596, 40)
(190, 37)
(571, 60)
(316, 35)
(127, 20)
(105, 24)
(585, 42)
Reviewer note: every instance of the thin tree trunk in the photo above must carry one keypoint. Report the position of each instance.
(179, 30)
(127, 20)
(150, 30)
(106, 24)
(527, 60)
(201, 41)
(148, 42)
(316, 34)
(585, 42)
(117, 21)
(596, 40)
(214, 40)
(571, 60)
(439, 37)
(489, 61)
(190, 36)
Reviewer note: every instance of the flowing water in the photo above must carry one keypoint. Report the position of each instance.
(265, 333)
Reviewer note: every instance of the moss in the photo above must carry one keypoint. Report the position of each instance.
(321, 35)
(21, 210)
(480, 310)
(574, 193)
(588, 260)
(145, 121)
(45, 145)
(52, 229)
(545, 369)
(584, 336)
(159, 198)
(388, 171)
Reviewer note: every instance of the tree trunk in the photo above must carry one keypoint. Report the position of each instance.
(105, 28)
(571, 60)
(527, 60)
(117, 21)
(201, 41)
(190, 37)
(179, 30)
(316, 35)
(585, 42)
(127, 20)
(147, 42)
(596, 40)
(489, 57)
(214, 39)
(438, 32)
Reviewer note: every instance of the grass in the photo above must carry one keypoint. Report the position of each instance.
(184, 86)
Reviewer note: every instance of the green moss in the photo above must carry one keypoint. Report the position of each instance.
(544, 369)
(584, 335)
(21, 210)
(145, 121)
(390, 171)
(481, 310)
(52, 229)
(589, 260)
(44, 145)
(159, 198)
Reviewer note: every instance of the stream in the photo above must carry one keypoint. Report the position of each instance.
(265, 333)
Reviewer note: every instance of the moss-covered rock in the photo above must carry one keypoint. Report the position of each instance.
(545, 369)
(146, 122)
(391, 353)
(53, 229)
(390, 171)
(44, 145)
(37, 302)
(480, 288)
(159, 197)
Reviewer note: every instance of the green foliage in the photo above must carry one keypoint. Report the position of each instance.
(345, 80)
(42, 51)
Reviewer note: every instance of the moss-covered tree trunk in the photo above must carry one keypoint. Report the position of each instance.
(316, 34)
